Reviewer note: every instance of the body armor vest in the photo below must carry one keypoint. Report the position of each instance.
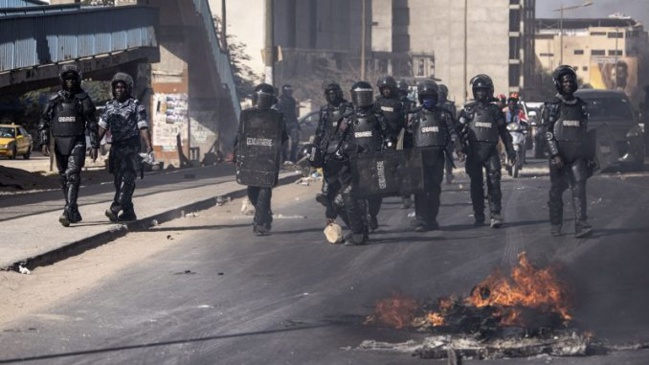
(334, 114)
(366, 132)
(482, 127)
(392, 109)
(431, 129)
(68, 118)
(570, 124)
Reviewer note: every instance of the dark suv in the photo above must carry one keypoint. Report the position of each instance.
(612, 110)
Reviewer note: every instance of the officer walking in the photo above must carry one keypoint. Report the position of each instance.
(408, 106)
(450, 107)
(328, 138)
(482, 122)
(565, 123)
(371, 133)
(287, 105)
(126, 119)
(434, 131)
(258, 147)
(67, 116)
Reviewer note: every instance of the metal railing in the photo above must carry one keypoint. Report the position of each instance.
(221, 58)
(51, 36)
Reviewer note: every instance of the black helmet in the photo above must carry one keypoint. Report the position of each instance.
(263, 96)
(70, 70)
(559, 72)
(362, 94)
(482, 81)
(312, 153)
(333, 93)
(287, 90)
(427, 88)
(125, 78)
(389, 82)
(443, 91)
(404, 88)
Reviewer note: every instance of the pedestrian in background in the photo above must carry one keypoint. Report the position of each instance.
(68, 115)
(126, 119)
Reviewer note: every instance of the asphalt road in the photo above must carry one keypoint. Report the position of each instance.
(220, 295)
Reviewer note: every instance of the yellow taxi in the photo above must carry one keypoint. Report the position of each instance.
(15, 141)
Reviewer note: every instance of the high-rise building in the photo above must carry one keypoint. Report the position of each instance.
(449, 40)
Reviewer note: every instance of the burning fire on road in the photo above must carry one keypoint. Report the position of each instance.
(526, 313)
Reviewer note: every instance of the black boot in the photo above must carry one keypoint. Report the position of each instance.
(127, 215)
(582, 227)
(64, 219)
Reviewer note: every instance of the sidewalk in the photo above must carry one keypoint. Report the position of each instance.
(32, 235)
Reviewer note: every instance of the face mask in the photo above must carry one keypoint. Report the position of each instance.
(429, 103)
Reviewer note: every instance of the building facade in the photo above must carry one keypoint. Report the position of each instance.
(448, 40)
(608, 53)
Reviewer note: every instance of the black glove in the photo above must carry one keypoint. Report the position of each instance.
(556, 162)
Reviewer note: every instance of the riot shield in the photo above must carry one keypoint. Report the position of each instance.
(603, 149)
(387, 173)
(259, 148)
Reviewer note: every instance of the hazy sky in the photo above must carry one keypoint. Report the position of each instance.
(637, 9)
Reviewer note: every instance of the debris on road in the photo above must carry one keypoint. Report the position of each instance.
(247, 208)
(23, 270)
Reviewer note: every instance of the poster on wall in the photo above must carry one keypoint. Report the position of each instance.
(615, 73)
(170, 118)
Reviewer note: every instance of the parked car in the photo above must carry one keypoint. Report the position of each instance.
(612, 109)
(15, 141)
(308, 124)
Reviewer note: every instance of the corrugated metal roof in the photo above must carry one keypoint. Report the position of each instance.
(20, 3)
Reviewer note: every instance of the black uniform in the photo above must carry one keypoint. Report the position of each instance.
(565, 124)
(433, 131)
(124, 119)
(483, 123)
(262, 131)
(68, 116)
(328, 138)
(287, 105)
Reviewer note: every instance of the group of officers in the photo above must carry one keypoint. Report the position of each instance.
(349, 132)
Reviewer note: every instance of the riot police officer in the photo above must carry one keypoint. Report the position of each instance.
(408, 106)
(390, 105)
(328, 137)
(565, 123)
(126, 119)
(258, 147)
(371, 132)
(287, 105)
(450, 107)
(68, 115)
(433, 132)
(482, 122)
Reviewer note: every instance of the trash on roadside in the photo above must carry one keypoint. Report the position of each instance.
(23, 270)
(154, 223)
(221, 200)
(247, 208)
(191, 215)
(169, 237)
(411, 215)
(334, 233)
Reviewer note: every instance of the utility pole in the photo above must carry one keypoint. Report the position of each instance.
(466, 48)
(561, 10)
(363, 26)
(269, 45)
(224, 25)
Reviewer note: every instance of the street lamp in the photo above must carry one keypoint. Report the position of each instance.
(561, 10)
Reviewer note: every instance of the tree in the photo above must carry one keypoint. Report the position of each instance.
(244, 77)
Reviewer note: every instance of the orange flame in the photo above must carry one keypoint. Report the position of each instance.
(528, 287)
(397, 311)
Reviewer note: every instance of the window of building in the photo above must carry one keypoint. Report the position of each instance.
(615, 35)
(514, 20)
(597, 33)
(584, 68)
(546, 54)
(612, 52)
(598, 52)
(421, 67)
(401, 16)
(514, 2)
(514, 75)
(400, 43)
(514, 47)
(579, 51)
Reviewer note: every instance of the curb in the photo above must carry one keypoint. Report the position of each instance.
(94, 241)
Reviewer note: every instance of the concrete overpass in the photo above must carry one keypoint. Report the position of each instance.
(170, 47)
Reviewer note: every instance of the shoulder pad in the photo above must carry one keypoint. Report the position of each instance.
(54, 97)
(581, 101)
(553, 100)
(471, 105)
(81, 95)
